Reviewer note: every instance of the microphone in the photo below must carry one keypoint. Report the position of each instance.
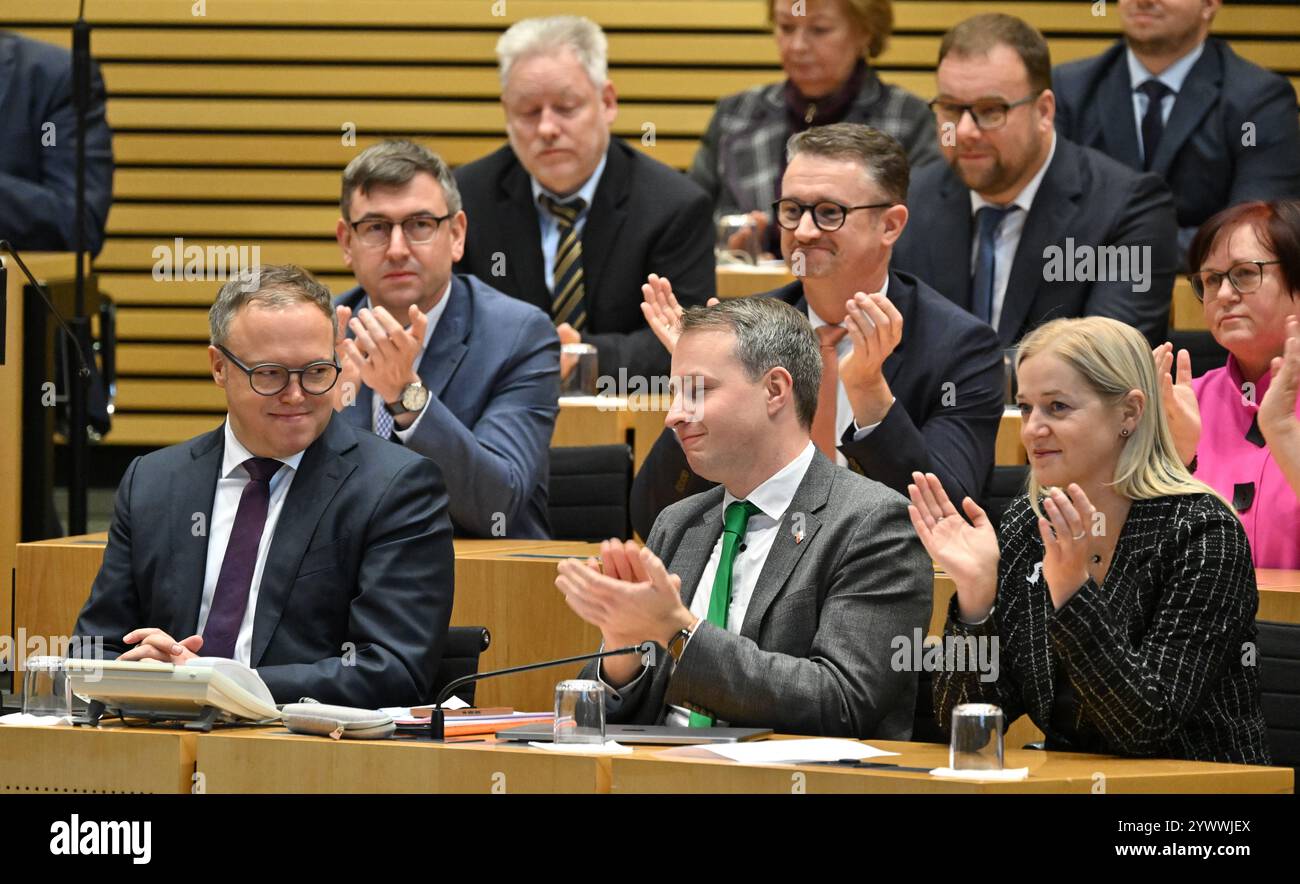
(437, 716)
(84, 370)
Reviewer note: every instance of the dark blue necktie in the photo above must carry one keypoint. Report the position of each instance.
(230, 598)
(1153, 121)
(987, 221)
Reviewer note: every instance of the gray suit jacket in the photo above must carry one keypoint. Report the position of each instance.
(813, 654)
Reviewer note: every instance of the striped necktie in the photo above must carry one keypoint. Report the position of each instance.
(568, 303)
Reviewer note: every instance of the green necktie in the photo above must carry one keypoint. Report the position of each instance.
(733, 529)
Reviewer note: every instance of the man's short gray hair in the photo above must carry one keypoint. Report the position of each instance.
(393, 163)
(768, 333)
(551, 36)
(271, 285)
(879, 153)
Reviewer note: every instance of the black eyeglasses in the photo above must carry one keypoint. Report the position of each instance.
(418, 229)
(1245, 277)
(827, 215)
(269, 378)
(987, 114)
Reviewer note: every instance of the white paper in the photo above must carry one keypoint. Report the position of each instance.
(782, 751)
(23, 718)
(1010, 774)
(609, 747)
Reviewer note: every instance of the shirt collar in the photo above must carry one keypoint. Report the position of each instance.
(817, 322)
(235, 454)
(1174, 76)
(774, 495)
(587, 191)
(1250, 403)
(1024, 199)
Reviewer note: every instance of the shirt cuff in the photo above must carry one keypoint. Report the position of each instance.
(860, 433)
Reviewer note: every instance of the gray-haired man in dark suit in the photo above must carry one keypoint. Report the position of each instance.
(776, 595)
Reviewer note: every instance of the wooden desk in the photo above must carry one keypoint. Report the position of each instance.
(273, 760)
(111, 759)
(637, 421)
(48, 268)
(1279, 595)
(739, 281)
(1049, 772)
(1008, 451)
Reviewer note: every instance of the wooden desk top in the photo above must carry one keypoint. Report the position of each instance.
(1049, 772)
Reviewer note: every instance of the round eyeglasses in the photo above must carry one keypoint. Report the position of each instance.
(270, 378)
(1245, 277)
(827, 215)
(418, 229)
(986, 114)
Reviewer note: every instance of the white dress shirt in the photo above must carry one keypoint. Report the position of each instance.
(1007, 239)
(550, 226)
(773, 498)
(1174, 76)
(230, 487)
(376, 401)
(843, 410)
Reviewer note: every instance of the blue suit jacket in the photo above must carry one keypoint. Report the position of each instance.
(361, 561)
(946, 376)
(493, 373)
(1201, 154)
(1086, 201)
(38, 180)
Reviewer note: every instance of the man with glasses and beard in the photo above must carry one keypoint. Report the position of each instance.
(285, 539)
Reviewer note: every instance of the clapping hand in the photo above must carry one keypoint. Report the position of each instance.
(662, 312)
(1179, 400)
(968, 551)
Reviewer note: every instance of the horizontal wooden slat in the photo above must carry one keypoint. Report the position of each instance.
(135, 255)
(141, 394)
(162, 360)
(246, 221)
(643, 14)
(156, 430)
(167, 324)
(140, 288)
(1186, 313)
(369, 115)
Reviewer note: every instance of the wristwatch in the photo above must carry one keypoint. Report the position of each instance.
(414, 397)
(677, 644)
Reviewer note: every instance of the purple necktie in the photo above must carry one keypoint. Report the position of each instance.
(231, 595)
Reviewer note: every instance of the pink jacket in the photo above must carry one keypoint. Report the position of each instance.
(1226, 459)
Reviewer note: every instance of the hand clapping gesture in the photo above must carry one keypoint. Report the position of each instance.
(968, 551)
(1065, 539)
(1178, 400)
(662, 312)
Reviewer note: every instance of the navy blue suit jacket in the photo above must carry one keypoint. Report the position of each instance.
(38, 180)
(645, 218)
(947, 379)
(493, 373)
(1225, 100)
(1085, 200)
(356, 591)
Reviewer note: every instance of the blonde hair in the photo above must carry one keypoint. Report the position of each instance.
(1114, 359)
(874, 18)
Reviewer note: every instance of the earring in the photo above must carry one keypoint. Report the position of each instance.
(1124, 432)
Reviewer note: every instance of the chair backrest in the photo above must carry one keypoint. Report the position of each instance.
(1278, 645)
(1005, 484)
(460, 653)
(589, 492)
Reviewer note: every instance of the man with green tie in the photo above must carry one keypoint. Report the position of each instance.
(777, 595)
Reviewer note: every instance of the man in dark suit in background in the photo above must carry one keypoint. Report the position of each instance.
(910, 378)
(572, 220)
(780, 595)
(1221, 129)
(286, 539)
(1022, 225)
(38, 128)
(446, 365)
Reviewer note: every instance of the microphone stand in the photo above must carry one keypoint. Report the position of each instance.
(437, 717)
(77, 389)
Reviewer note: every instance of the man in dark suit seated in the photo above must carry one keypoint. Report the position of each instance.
(778, 597)
(286, 539)
(1022, 225)
(910, 378)
(572, 220)
(38, 128)
(444, 364)
(1171, 99)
